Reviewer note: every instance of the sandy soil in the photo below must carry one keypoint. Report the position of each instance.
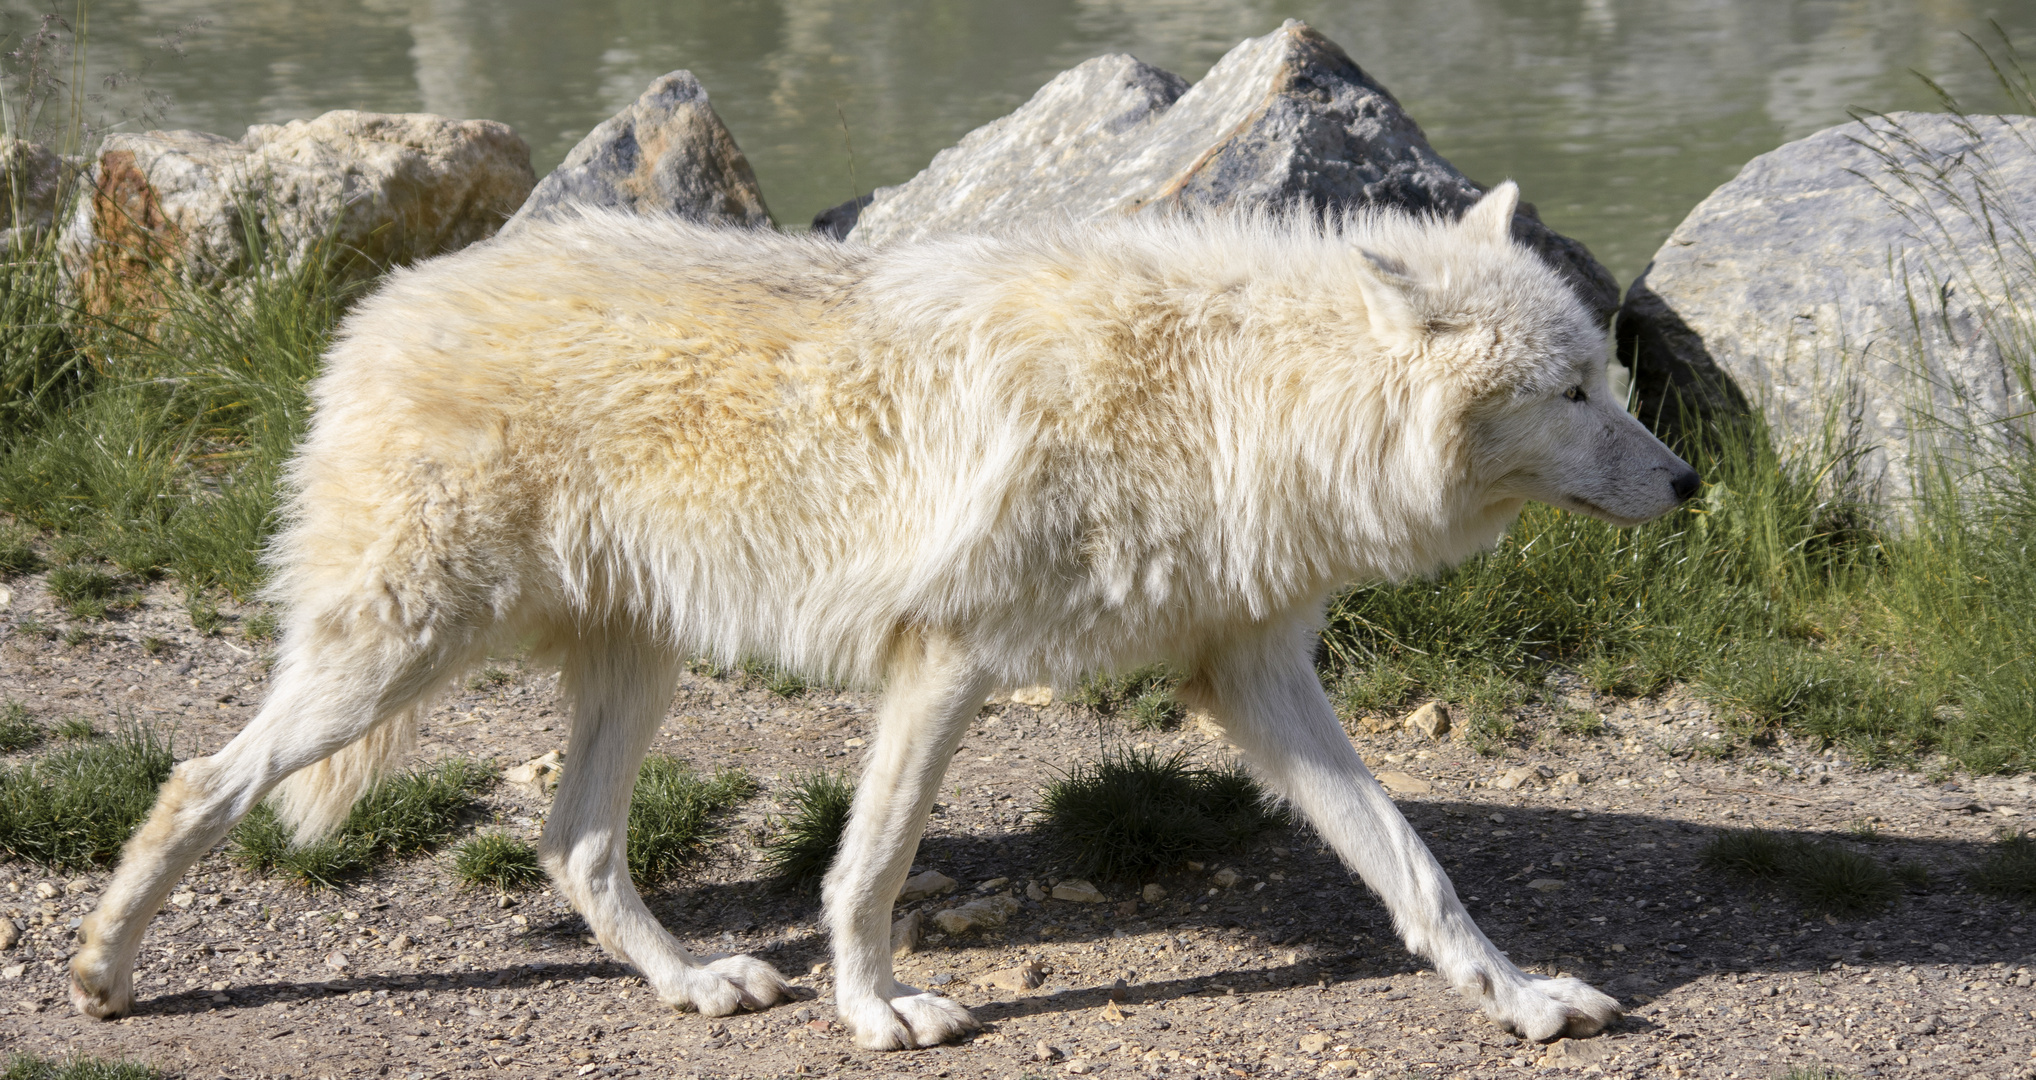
(1292, 971)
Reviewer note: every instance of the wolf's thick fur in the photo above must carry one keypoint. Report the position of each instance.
(934, 467)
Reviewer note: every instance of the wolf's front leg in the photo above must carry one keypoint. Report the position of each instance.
(1265, 693)
(932, 692)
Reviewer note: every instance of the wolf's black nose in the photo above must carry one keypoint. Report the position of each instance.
(1686, 484)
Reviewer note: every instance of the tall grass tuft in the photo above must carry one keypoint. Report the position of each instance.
(497, 861)
(18, 730)
(1133, 813)
(163, 449)
(405, 814)
(73, 808)
(1825, 878)
(674, 813)
(1145, 695)
(2009, 869)
(810, 834)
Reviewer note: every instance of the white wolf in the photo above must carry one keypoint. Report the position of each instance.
(938, 467)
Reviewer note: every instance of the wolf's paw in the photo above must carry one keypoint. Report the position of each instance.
(728, 984)
(906, 1019)
(1540, 1008)
(97, 991)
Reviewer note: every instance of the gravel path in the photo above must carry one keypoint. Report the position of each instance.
(1291, 971)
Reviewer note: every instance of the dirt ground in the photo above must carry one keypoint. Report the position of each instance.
(1291, 971)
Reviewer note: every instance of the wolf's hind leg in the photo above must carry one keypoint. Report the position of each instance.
(620, 685)
(933, 690)
(327, 694)
(1265, 694)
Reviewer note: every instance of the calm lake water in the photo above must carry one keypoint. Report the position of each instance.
(1616, 116)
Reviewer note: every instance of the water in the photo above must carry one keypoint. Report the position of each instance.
(1616, 116)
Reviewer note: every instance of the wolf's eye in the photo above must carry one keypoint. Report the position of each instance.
(1574, 393)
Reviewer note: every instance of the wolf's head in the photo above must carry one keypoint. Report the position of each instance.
(1489, 321)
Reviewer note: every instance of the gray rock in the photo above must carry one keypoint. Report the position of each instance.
(836, 221)
(358, 190)
(34, 185)
(1791, 287)
(667, 153)
(1282, 120)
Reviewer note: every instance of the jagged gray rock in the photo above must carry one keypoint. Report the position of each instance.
(33, 179)
(1285, 119)
(668, 152)
(361, 190)
(1849, 285)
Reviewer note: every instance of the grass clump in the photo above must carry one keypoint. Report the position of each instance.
(1134, 812)
(1839, 881)
(18, 730)
(673, 814)
(86, 591)
(262, 627)
(73, 808)
(1824, 878)
(2009, 869)
(1372, 688)
(404, 814)
(780, 681)
(497, 861)
(1146, 696)
(29, 1067)
(155, 438)
(807, 838)
(1751, 853)
(75, 729)
(17, 556)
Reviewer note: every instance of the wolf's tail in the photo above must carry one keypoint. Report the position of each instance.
(314, 800)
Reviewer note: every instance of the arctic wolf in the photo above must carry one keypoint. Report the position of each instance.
(935, 467)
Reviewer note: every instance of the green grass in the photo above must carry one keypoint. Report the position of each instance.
(806, 839)
(674, 813)
(780, 681)
(75, 729)
(1824, 878)
(18, 730)
(29, 1067)
(1134, 813)
(1145, 696)
(1371, 688)
(17, 555)
(154, 440)
(405, 814)
(73, 807)
(497, 861)
(2009, 869)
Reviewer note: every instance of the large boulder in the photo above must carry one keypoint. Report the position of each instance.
(34, 183)
(667, 153)
(1282, 120)
(1857, 287)
(362, 191)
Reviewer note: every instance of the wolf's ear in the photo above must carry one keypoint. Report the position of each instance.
(1493, 215)
(1388, 290)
